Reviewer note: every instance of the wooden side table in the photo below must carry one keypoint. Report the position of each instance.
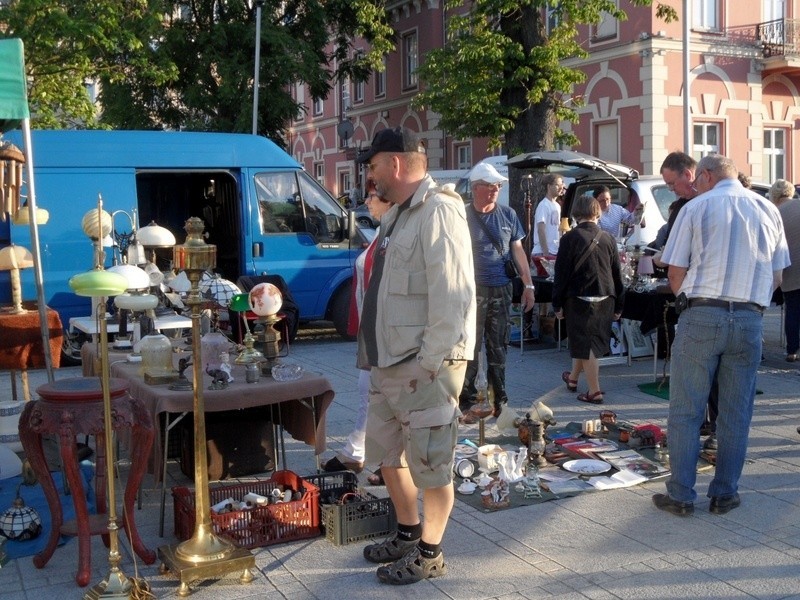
(70, 407)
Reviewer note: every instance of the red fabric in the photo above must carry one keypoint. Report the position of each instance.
(353, 319)
(21, 344)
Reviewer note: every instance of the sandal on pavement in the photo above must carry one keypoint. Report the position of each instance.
(333, 465)
(596, 398)
(572, 384)
(376, 478)
(389, 550)
(791, 358)
(411, 568)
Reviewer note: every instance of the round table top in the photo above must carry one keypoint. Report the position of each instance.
(81, 389)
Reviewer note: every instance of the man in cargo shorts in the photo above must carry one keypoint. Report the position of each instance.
(417, 333)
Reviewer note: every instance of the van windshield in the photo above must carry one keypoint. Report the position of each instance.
(291, 202)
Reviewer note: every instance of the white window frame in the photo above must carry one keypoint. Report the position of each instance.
(706, 15)
(607, 28)
(774, 157)
(410, 59)
(380, 81)
(319, 173)
(702, 147)
(463, 153)
(319, 106)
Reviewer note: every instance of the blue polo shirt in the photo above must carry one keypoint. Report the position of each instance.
(504, 227)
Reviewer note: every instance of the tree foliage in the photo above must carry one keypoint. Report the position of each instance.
(500, 75)
(190, 63)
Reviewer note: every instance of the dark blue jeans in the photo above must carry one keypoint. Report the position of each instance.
(791, 323)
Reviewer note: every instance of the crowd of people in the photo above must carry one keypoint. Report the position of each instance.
(435, 286)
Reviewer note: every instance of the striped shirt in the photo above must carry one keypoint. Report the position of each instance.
(731, 240)
(610, 219)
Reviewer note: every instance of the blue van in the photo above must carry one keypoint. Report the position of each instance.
(263, 212)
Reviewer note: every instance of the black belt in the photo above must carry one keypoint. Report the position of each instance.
(725, 304)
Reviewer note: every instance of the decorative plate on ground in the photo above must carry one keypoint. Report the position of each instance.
(586, 466)
(465, 450)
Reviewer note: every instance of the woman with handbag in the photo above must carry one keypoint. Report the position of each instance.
(588, 292)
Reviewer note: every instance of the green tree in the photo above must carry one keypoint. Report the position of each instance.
(501, 75)
(71, 42)
(189, 63)
(212, 45)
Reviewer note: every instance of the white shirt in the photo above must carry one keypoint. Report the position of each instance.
(731, 240)
(547, 212)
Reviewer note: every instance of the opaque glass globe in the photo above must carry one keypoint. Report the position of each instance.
(265, 299)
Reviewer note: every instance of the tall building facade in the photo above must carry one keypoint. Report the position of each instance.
(740, 64)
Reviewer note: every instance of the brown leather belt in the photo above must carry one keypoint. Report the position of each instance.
(731, 306)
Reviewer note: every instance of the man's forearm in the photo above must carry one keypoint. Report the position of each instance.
(676, 275)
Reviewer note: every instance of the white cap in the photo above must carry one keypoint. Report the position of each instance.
(486, 172)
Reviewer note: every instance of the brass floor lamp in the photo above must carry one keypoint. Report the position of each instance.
(204, 555)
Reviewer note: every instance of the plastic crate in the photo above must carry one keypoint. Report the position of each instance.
(261, 526)
(358, 519)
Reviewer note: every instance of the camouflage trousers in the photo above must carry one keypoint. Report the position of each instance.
(493, 328)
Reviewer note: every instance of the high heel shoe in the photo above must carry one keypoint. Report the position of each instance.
(572, 384)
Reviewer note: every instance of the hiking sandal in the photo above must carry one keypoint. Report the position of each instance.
(411, 568)
(388, 550)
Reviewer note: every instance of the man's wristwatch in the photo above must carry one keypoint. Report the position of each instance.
(530, 286)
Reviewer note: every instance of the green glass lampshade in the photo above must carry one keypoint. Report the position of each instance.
(98, 283)
(240, 303)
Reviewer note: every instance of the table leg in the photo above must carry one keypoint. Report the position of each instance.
(69, 460)
(165, 451)
(32, 444)
(141, 443)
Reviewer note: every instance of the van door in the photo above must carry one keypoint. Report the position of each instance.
(299, 232)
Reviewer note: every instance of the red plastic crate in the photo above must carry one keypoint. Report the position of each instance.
(261, 526)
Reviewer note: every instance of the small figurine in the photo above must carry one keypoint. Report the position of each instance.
(220, 379)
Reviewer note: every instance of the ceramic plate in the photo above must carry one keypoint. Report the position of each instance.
(465, 450)
(586, 466)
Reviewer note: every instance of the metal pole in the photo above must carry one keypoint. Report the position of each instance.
(687, 129)
(37, 259)
(259, 4)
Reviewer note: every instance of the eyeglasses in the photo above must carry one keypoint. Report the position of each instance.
(493, 186)
(697, 175)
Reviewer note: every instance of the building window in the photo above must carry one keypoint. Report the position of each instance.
(705, 15)
(380, 81)
(463, 156)
(553, 18)
(318, 106)
(300, 99)
(319, 173)
(607, 141)
(706, 140)
(606, 28)
(344, 96)
(774, 154)
(358, 92)
(410, 60)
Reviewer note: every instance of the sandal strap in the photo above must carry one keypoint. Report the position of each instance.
(390, 549)
(411, 568)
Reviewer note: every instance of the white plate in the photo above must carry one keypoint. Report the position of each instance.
(586, 466)
(465, 450)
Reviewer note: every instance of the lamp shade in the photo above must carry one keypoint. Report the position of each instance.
(136, 302)
(15, 257)
(98, 283)
(23, 217)
(180, 283)
(240, 303)
(137, 278)
(155, 236)
(265, 299)
(97, 227)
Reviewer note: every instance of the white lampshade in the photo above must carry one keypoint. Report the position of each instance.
(180, 283)
(137, 278)
(96, 228)
(154, 274)
(265, 299)
(136, 302)
(155, 236)
(23, 217)
(15, 257)
(645, 265)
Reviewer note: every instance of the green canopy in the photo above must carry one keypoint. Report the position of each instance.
(13, 92)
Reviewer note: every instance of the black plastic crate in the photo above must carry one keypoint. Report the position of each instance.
(348, 513)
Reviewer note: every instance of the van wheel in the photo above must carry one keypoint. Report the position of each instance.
(71, 349)
(340, 311)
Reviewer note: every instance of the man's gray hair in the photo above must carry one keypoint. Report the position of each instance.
(718, 165)
(781, 189)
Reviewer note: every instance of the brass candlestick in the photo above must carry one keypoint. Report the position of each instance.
(204, 555)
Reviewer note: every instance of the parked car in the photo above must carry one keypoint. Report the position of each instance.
(627, 188)
(363, 218)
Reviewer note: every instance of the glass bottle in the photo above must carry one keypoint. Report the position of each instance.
(156, 351)
(482, 407)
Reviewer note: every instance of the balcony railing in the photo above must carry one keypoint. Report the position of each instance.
(780, 37)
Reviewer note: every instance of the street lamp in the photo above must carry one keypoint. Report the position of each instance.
(259, 4)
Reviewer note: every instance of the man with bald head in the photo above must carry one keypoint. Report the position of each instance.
(726, 254)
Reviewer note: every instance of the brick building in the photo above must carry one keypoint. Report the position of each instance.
(743, 63)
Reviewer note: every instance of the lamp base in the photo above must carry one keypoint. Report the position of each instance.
(239, 559)
(116, 585)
